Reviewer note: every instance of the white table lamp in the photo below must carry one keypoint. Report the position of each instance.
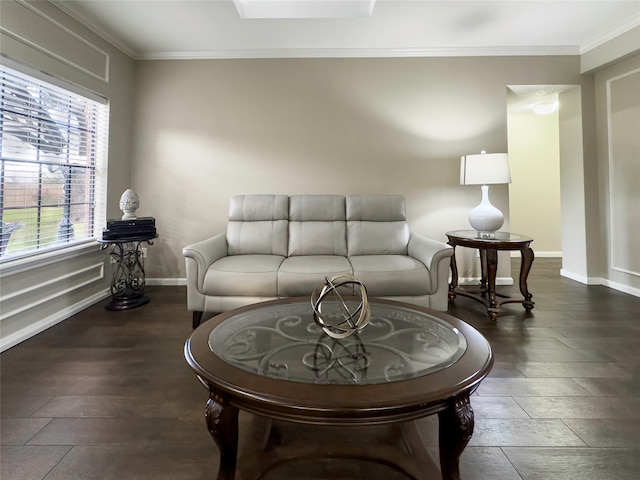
(485, 169)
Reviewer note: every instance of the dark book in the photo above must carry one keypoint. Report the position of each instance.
(110, 234)
(133, 223)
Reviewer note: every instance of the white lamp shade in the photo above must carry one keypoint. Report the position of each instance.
(484, 169)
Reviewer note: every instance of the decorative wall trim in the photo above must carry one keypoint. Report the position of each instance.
(93, 26)
(41, 299)
(24, 264)
(35, 328)
(102, 75)
(612, 187)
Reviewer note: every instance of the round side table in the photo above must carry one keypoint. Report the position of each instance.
(488, 248)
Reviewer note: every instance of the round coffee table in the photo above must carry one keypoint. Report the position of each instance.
(272, 360)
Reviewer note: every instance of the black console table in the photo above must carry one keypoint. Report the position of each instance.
(128, 281)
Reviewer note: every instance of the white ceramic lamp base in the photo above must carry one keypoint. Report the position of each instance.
(486, 218)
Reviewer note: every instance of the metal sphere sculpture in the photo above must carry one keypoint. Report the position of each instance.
(338, 317)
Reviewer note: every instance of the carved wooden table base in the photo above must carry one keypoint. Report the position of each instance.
(456, 423)
(488, 249)
(391, 403)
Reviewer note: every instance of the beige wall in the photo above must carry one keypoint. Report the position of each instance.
(534, 192)
(206, 130)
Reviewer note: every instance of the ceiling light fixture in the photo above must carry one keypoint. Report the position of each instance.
(545, 108)
(304, 8)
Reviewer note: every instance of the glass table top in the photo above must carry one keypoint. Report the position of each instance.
(283, 342)
(496, 236)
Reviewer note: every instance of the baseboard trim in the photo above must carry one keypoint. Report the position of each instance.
(622, 288)
(580, 278)
(48, 322)
(601, 281)
(166, 282)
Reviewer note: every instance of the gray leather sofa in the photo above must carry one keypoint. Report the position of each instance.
(280, 246)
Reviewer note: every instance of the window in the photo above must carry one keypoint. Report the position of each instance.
(53, 166)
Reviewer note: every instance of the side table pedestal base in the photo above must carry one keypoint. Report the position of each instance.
(118, 304)
(128, 278)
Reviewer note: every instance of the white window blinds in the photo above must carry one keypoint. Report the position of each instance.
(53, 166)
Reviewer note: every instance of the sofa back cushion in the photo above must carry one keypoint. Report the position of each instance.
(376, 225)
(317, 225)
(258, 225)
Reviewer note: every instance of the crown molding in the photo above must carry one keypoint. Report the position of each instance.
(611, 34)
(363, 53)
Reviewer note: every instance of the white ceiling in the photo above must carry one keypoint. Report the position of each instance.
(172, 29)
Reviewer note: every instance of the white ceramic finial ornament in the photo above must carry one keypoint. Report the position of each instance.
(129, 203)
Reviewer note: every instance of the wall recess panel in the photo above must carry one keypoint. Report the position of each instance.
(623, 104)
(24, 23)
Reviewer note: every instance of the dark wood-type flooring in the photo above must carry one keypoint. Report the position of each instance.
(108, 395)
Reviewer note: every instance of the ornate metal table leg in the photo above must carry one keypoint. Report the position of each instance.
(222, 423)
(456, 428)
(492, 268)
(128, 281)
(526, 255)
(454, 276)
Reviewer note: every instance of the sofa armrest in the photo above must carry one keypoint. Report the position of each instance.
(201, 255)
(435, 255)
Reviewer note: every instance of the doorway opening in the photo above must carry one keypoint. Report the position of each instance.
(534, 159)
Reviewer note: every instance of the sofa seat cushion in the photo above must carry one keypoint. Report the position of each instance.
(299, 276)
(391, 275)
(252, 275)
